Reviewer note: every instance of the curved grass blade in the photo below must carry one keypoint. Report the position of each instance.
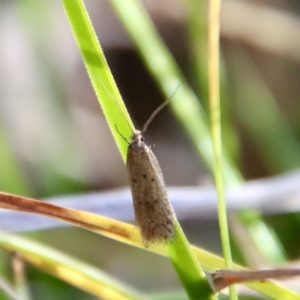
(106, 91)
(69, 269)
(98, 70)
(186, 107)
(129, 234)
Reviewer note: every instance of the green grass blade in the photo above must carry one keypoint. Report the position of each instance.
(69, 269)
(263, 119)
(109, 96)
(187, 109)
(99, 73)
(197, 35)
(215, 112)
(129, 234)
(165, 71)
(184, 262)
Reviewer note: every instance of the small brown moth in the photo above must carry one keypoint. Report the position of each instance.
(153, 212)
(224, 278)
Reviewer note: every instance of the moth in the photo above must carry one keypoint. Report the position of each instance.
(153, 212)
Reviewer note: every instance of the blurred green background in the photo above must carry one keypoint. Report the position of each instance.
(54, 139)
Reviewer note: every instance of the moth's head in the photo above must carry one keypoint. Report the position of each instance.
(137, 140)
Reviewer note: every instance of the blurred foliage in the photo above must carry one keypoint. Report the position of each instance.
(53, 139)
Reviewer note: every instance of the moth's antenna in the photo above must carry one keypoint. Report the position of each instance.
(122, 136)
(154, 114)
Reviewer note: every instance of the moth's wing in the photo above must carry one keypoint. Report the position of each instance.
(153, 212)
(140, 173)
